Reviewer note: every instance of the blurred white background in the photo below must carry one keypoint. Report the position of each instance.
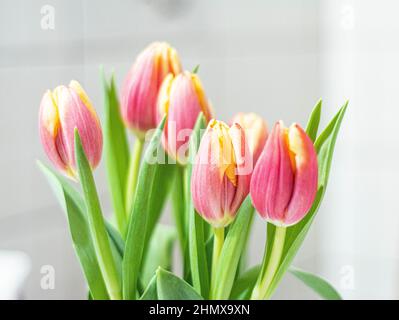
(276, 58)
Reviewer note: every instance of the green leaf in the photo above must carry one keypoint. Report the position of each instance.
(209, 252)
(150, 293)
(244, 284)
(233, 247)
(116, 152)
(159, 253)
(171, 287)
(117, 247)
(178, 207)
(73, 206)
(314, 121)
(137, 229)
(97, 228)
(196, 244)
(325, 144)
(318, 284)
(163, 181)
(196, 69)
(242, 265)
(296, 234)
(116, 239)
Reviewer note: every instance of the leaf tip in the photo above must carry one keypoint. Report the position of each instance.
(196, 69)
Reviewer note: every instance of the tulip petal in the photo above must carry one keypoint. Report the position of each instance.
(184, 108)
(141, 86)
(139, 94)
(206, 182)
(243, 165)
(49, 130)
(273, 178)
(219, 183)
(306, 174)
(74, 114)
(255, 130)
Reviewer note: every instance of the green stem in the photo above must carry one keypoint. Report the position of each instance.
(134, 167)
(262, 288)
(218, 242)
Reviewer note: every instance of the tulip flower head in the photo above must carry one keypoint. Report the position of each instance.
(182, 98)
(284, 181)
(61, 111)
(141, 86)
(220, 179)
(256, 131)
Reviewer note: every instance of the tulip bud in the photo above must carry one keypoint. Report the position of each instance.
(61, 111)
(284, 182)
(182, 98)
(141, 86)
(220, 179)
(256, 131)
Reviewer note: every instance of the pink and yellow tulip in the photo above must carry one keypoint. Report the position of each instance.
(61, 111)
(284, 181)
(220, 178)
(182, 98)
(141, 86)
(256, 131)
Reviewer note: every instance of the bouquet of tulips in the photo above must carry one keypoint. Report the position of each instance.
(216, 175)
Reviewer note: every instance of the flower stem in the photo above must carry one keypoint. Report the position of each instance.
(262, 290)
(218, 242)
(134, 167)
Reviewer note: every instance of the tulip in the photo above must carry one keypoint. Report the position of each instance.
(283, 188)
(182, 98)
(220, 179)
(284, 181)
(61, 111)
(255, 130)
(141, 86)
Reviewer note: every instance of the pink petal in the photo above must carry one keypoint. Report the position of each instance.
(206, 182)
(49, 130)
(184, 108)
(74, 114)
(244, 166)
(306, 175)
(273, 178)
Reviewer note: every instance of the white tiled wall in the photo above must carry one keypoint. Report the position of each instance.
(359, 59)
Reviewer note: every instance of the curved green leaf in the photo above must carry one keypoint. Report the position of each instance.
(179, 213)
(318, 284)
(150, 293)
(73, 206)
(159, 253)
(116, 239)
(314, 121)
(116, 152)
(163, 181)
(196, 241)
(244, 284)
(171, 287)
(95, 217)
(233, 247)
(138, 225)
